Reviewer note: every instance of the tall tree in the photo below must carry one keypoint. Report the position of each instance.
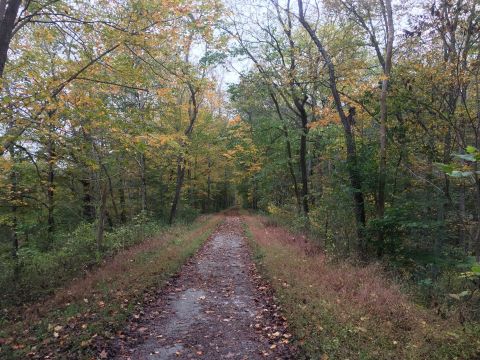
(346, 120)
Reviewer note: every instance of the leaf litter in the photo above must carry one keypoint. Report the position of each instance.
(216, 307)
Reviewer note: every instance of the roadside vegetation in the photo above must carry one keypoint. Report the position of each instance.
(341, 310)
(80, 319)
(353, 122)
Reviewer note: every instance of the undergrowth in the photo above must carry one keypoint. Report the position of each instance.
(338, 310)
(37, 273)
(435, 281)
(81, 318)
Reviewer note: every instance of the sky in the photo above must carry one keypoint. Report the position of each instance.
(256, 9)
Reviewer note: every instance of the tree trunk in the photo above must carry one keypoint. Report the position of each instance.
(102, 212)
(7, 25)
(291, 169)
(476, 237)
(303, 170)
(289, 152)
(50, 189)
(144, 182)
(178, 189)
(192, 114)
(225, 189)
(355, 178)
(13, 208)
(123, 213)
(383, 120)
(88, 206)
(209, 186)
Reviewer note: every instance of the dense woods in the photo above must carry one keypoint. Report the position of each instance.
(107, 108)
(356, 122)
(365, 116)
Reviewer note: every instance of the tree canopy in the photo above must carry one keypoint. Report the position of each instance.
(358, 121)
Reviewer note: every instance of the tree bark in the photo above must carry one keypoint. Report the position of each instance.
(102, 212)
(303, 170)
(50, 188)
(193, 114)
(144, 181)
(7, 25)
(123, 214)
(88, 206)
(291, 169)
(388, 14)
(209, 186)
(112, 195)
(289, 152)
(13, 208)
(355, 178)
(178, 190)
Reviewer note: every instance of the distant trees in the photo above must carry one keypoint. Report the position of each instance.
(405, 99)
(358, 119)
(100, 103)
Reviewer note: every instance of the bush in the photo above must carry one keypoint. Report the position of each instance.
(37, 273)
(187, 214)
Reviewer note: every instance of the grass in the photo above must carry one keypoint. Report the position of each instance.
(81, 318)
(338, 310)
(70, 255)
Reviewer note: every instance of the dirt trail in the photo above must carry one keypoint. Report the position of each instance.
(215, 309)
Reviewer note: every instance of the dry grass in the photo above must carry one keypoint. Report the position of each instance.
(89, 309)
(341, 310)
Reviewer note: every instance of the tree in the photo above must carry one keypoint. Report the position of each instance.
(355, 179)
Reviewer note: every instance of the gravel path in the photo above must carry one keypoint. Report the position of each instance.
(217, 308)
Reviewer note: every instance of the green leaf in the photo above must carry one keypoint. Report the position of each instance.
(476, 268)
(466, 157)
(471, 149)
(446, 168)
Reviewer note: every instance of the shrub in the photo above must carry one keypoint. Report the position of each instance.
(36, 273)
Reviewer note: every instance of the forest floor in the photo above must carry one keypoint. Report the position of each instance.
(216, 308)
(82, 318)
(339, 309)
(232, 285)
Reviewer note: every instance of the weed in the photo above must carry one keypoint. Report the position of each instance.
(82, 317)
(339, 310)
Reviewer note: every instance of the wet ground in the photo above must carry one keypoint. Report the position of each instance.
(217, 308)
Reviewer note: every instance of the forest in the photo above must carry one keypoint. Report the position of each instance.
(338, 139)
